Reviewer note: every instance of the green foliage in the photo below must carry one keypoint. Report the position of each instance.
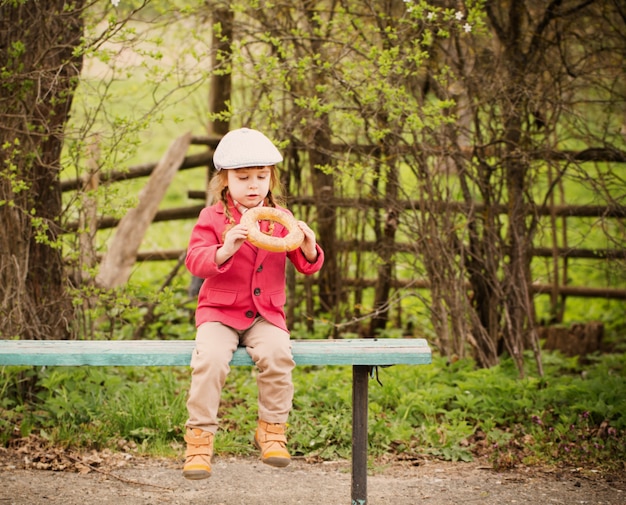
(96, 407)
(323, 397)
(575, 415)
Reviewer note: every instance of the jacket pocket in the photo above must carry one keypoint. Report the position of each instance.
(221, 297)
(278, 298)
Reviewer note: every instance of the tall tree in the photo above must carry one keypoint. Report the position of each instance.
(40, 61)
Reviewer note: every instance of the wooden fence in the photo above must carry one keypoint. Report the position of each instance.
(204, 159)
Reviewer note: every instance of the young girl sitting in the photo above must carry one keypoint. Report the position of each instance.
(241, 299)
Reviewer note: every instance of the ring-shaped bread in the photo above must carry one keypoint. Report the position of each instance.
(256, 237)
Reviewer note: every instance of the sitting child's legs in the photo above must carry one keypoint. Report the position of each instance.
(270, 349)
(215, 345)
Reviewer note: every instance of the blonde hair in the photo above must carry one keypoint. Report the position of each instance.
(218, 190)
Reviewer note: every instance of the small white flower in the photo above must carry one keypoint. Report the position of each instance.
(458, 15)
(431, 16)
(115, 2)
(467, 27)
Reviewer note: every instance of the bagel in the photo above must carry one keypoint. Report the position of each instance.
(271, 243)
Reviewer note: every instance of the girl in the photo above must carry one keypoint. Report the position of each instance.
(241, 300)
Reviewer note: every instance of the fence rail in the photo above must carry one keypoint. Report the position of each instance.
(192, 211)
(204, 159)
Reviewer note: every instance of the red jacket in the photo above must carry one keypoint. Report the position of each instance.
(250, 283)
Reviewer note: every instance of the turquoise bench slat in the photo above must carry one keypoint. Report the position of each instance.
(366, 351)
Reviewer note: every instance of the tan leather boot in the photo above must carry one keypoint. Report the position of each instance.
(198, 455)
(271, 441)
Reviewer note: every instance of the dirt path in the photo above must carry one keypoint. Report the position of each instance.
(239, 481)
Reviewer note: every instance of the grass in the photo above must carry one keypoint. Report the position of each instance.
(574, 415)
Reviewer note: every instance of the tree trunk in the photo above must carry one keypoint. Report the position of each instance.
(40, 69)
(221, 82)
(517, 282)
(385, 239)
(323, 184)
(329, 290)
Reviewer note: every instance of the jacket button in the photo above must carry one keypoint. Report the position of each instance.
(260, 269)
(250, 314)
(257, 291)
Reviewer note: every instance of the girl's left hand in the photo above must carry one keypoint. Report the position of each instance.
(308, 245)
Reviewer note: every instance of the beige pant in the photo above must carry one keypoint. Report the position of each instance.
(270, 349)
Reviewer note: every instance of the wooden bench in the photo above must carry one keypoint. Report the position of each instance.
(361, 354)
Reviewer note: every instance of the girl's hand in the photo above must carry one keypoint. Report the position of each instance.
(308, 245)
(233, 240)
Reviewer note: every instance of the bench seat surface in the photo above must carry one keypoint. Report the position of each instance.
(365, 351)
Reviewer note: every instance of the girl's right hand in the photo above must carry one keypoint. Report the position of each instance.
(233, 240)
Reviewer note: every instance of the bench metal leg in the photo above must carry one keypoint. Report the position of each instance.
(360, 378)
